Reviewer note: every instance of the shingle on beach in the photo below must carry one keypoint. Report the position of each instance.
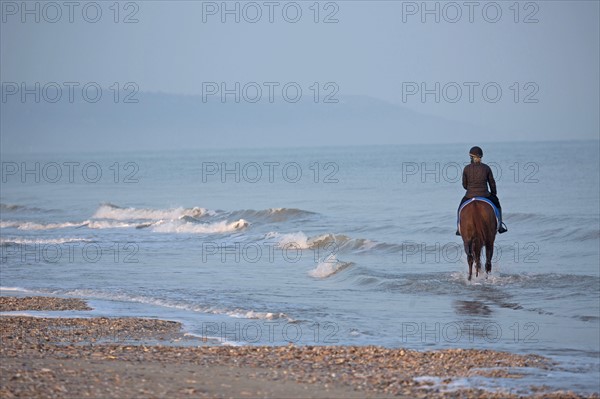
(9, 303)
(111, 357)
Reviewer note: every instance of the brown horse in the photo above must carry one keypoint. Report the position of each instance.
(478, 228)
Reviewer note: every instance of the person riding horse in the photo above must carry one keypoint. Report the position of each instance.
(475, 179)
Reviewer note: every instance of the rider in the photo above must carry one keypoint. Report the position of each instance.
(476, 177)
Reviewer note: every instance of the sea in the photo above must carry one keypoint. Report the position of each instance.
(319, 246)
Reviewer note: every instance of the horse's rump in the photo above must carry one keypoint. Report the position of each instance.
(478, 218)
(478, 225)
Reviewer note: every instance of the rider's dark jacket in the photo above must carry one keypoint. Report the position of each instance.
(475, 179)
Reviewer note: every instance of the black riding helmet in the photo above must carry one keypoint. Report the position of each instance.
(476, 151)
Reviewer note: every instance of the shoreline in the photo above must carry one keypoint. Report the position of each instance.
(131, 357)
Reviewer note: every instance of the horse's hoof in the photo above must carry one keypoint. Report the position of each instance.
(469, 278)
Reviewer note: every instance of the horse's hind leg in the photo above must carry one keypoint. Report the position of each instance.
(489, 254)
(477, 256)
(469, 259)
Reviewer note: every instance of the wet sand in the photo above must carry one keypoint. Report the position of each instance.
(133, 357)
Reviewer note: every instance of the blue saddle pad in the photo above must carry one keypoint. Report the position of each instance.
(484, 199)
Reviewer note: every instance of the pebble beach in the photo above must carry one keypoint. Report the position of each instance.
(98, 357)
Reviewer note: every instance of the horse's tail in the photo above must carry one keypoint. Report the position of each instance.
(468, 243)
(473, 243)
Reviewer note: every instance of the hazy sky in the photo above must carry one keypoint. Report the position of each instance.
(546, 52)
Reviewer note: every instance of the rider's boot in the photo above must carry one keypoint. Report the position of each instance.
(501, 226)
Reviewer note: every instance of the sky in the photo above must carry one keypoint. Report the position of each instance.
(516, 70)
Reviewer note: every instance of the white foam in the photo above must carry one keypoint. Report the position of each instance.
(14, 289)
(108, 211)
(504, 386)
(91, 224)
(456, 384)
(107, 224)
(297, 240)
(329, 267)
(173, 226)
(235, 313)
(493, 278)
(251, 314)
(332, 242)
(38, 226)
(220, 340)
(47, 241)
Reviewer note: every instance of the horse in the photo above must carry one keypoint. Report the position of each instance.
(478, 226)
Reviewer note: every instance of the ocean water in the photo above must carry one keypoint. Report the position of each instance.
(318, 246)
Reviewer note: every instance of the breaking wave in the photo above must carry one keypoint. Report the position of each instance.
(272, 215)
(160, 226)
(330, 266)
(19, 208)
(114, 212)
(177, 226)
(331, 241)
